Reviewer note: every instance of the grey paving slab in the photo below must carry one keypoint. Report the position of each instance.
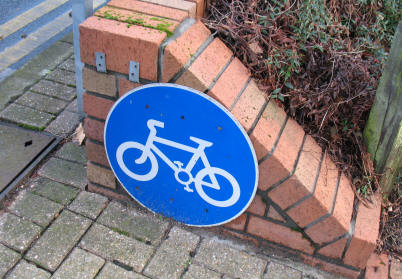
(219, 256)
(280, 271)
(16, 232)
(68, 38)
(62, 76)
(35, 208)
(14, 86)
(73, 152)
(18, 148)
(173, 256)
(25, 270)
(8, 258)
(88, 204)
(41, 102)
(65, 172)
(111, 245)
(73, 106)
(68, 65)
(199, 272)
(58, 240)
(26, 116)
(64, 124)
(49, 59)
(30, 73)
(110, 271)
(55, 89)
(133, 223)
(53, 190)
(79, 265)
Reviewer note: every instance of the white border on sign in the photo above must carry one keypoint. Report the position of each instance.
(205, 96)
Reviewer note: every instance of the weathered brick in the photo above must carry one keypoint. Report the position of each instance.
(99, 82)
(96, 106)
(88, 204)
(109, 193)
(230, 83)
(96, 153)
(199, 272)
(65, 172)
(79, 264)
(365, 235)
(101, 176)
(301, 183)
(178, 4)
(206, 67)
(377, 266)
(114, 246)
(237, 224)
(200, 7)
(177, 248)
(94, 129)
(280, 234)
(58, 240)
(121, 45)
(320, 203)
(329, 267)
(395, 270)
(8, 258)
(220, 257)
(134, 223)
(281, 163)
(335, 249)
(257, 206)
(272, 213)
(125, 85)
(150, 21)
(249, 105)
(149, 8)
(179, 51)
(267, 129)
(338, 223)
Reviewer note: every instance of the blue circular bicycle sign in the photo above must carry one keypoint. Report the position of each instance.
(181, 154)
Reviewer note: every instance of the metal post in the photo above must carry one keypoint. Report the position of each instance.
(81, 10)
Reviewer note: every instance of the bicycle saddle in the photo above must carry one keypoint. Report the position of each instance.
(201, 141)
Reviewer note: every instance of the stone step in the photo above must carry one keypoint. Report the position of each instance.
(25, 48)
(29, 16)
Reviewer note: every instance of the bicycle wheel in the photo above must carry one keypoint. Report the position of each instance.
(200, 184)
(120, 160)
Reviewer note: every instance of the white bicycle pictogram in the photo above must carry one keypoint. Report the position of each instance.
(149, 150)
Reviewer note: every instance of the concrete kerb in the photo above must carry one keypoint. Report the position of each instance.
(278, 158)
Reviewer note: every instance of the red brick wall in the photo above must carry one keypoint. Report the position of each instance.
(304, 203)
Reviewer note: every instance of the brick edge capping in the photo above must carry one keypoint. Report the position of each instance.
(319, 218)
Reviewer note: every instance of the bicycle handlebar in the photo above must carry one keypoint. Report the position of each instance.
(155, 123)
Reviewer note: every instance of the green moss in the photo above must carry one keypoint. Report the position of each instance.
(30, 127)
(121, 231)
(158, 19)
(162, 26)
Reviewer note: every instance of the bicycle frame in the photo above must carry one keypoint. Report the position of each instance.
(198, 153)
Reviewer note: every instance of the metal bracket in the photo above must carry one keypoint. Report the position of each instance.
(100, 62)
(134, 71)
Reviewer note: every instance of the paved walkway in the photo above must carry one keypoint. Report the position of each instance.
(54, 228)
(41, 95)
